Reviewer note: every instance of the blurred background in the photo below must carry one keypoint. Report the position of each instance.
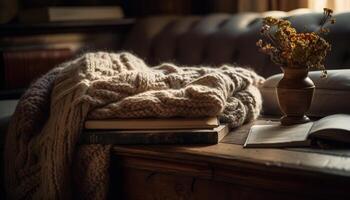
(10, 10)
(37, 35)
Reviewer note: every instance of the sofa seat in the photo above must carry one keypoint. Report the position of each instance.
(7, 108)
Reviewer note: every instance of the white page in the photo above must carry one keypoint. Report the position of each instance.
(337, 121)
(271, 134)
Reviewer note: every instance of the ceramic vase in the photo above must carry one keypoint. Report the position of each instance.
(295, 92)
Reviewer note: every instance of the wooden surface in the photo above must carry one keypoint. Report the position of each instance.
(227, 170)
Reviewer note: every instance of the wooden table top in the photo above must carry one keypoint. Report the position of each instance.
(230, 152)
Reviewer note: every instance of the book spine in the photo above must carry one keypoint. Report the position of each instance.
(21, 67)
(149, 138)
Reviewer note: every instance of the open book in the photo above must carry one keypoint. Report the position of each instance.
(332, 129)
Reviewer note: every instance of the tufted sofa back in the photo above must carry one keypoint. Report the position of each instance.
(223, 38)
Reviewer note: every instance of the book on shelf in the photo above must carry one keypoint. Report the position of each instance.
(333, 129)
(21, 67)
(73, 13)
(154, 123)
(171, 136)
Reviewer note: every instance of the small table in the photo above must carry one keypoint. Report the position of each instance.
(228, 171)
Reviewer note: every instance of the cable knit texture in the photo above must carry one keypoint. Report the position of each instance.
(43, 160)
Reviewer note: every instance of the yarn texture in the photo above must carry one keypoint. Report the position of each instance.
(42, 157)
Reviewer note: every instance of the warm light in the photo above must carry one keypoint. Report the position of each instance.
(336, 5)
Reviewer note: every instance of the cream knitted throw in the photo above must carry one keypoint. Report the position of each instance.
(43, 160)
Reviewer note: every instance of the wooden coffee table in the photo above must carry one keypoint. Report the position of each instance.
(228, 171)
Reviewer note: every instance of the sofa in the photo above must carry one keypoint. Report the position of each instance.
(214, 40)
(223, 38)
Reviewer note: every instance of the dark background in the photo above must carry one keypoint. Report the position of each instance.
(132, 8)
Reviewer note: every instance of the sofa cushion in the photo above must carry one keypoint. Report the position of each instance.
(331, 95)
(7, 108)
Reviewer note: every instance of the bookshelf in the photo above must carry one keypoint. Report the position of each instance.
(65, 27)
(30, 50)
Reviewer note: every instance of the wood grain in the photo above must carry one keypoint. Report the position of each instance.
(231, 155)
(158, 176)
(142, 184)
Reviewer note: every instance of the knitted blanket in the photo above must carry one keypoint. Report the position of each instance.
(43, 160)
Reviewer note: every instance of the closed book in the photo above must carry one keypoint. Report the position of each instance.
(81, 13)
(154, 123)
(183, 136)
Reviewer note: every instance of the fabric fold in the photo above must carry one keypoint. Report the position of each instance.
(42, 155)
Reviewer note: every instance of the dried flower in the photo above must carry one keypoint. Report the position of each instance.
(264, 29)
(327, 11)
(324, 30)
(288, 48)
(333, 21)
(259, 43)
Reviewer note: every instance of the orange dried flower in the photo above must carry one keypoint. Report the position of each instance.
(288, 48)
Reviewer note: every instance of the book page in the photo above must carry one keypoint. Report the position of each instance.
(270, 135)
(337, 121)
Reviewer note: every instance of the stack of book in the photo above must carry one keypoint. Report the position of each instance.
(154, 131)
